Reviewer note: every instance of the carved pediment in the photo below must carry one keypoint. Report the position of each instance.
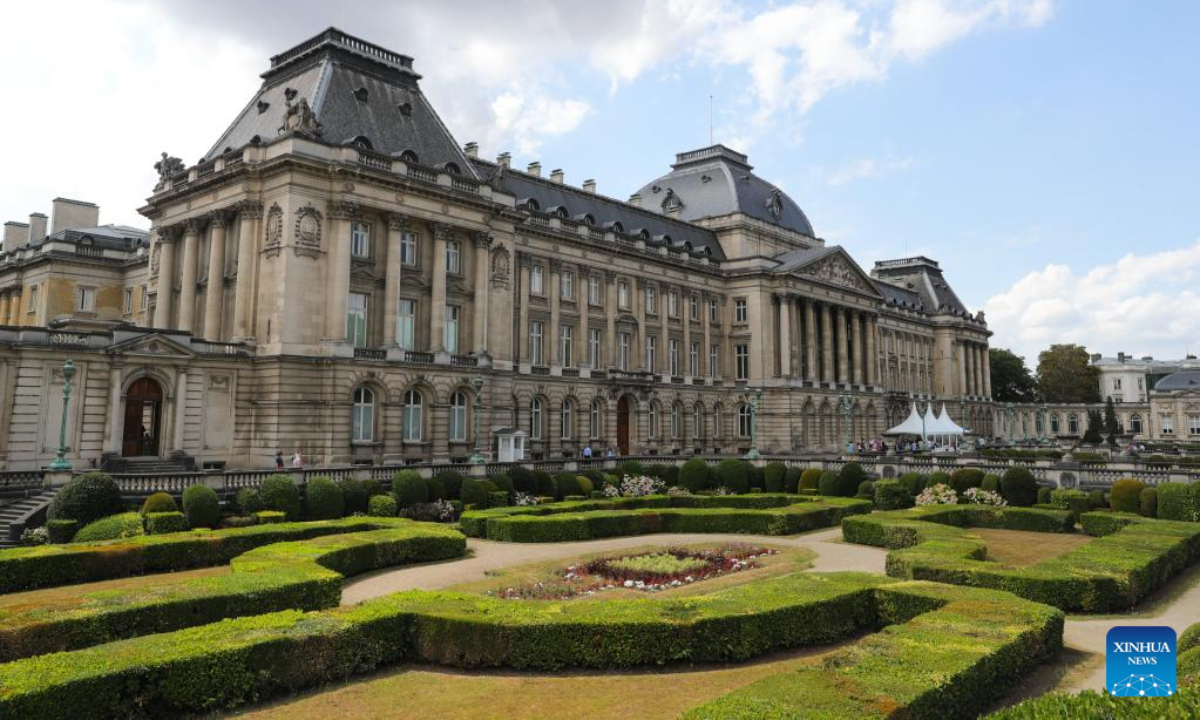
(837, 269)
(153, 345)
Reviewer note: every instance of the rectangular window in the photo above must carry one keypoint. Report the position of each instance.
(740, 313)
(1167, 423)
(694, 307)
(535, 342)
(694, 360)
(673, 356)
(86, 300)
(535, 279)
(1193, 424)
(712, 311)
(593, 357)
(356, 320)
(360, 240)
(672, 305)
(651, 352)
(623, 351)
(453, 257)
(568, 285)
(408, 249)
(1140, 384)
(593, 289)
(33, 299)
(406, 324)
(127, 301)
(651, 301)
(741, 358)
(145, 299)
(451, 335)
(714, 361)
(1117, 384)
(566, 345)
(623, 295)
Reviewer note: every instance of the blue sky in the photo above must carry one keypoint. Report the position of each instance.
(1043, 151)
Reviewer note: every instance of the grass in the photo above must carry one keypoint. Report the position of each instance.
(661, 563)
(1021, 548)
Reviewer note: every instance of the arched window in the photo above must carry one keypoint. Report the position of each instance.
(716, 422)
(676, 411)
(588, 219)
(595, 428)
(698, 421)
(535, 419)
(568, 420)
(1135, 424)
(363, 142)
(1072, 424)
(1054, 424)
(362, 416)
(414, 416)
(409, 156)
(1040, 424)
(653, 419)
(743, 414)
(452, 168)
(458, 417)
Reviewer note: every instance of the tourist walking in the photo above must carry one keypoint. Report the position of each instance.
(297, 460)
(278, 459)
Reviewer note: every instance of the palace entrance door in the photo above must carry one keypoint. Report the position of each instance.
(143, 418)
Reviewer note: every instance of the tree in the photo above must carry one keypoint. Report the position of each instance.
(1111, 428)
(1065, 375)
(1092, 434)
(1011, 380)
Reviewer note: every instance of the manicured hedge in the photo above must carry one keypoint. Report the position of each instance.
(810, 479)
(1179, 501)
(1019, 487)
(159, 502)
(1091, 704)
(305, 575)
(1131, 557)
(323, 499)
(382, 506)
(85, 498)
(160, 523)
(278, 492)
(201, 506)
(1125, 495)
(979, 642)
(891, 495)
(409, 488)
(124, 525)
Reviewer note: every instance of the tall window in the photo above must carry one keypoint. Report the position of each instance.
(694, 359)
(356, 320)
(453, 257)
(535, 279)
(566, 345)
(672, 304)
(568, 420)
(406, 323)
(33, 298)
(623, 294)
(1135, 424)
(1116, 383)
(414, 416)
(716, 422)
(362, 416)
(1054, 426)
(651, 301)
(360, 240)
(675, 419)
(86, 299)
(712, 310)
(741, 359)
(714, 361)
(698, 421)
(408, 249)
(535, 419)
(651, 352)
(653, 414)
(1193, 424)
(740, 313)
(594, 415)
(1072, 424)
(593, 289)
(1167, 423)
(127, 301)
(623, 351)
(458, 417)
(593, 351)
(452, 314)
(145, 303)
(535, 342)
(673, 356)
(694, 307)
(743, 415)
(568, 285)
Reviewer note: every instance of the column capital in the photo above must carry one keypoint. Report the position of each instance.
(343, 210)
(443, 231)
(610, 276)
(193, 226)
(168, 233)
(250, 209)
(482, 239)
(399, 221)
(524, 259)
(219, 217)
(556, 265)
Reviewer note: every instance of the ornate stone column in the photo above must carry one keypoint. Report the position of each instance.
(180, 408)
(785, 335)
(706, 329)
(810, 340)
(214, 295)
(442, 234)
(524, 267)
(610, 328)
(341, 215)
(856, 329)
(841, 323)
(828, 374)
(987, 374)
(250, 212)
(685, 312)
(114, 430)
(483, 241)
(4, 307)
(583, 301)
(872, 350)
(187, 283)
(554, 357)
(962, 369)
(397, 225)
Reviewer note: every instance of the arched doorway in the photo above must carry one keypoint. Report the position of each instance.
(623, 426)
(143, 418)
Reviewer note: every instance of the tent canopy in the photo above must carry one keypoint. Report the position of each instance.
(912, 425)
(943, 425)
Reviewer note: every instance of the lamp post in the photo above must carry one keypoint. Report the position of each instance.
(1008, 421)
(477, 457)
(60, 462)
(753, 399)
(845, 404)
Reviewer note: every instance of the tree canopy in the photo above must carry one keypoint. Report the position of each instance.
(1064, 375)
(1011, 380)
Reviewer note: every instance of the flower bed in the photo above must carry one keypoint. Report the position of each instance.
(305, 575)
(985, 639)
(1132, 557)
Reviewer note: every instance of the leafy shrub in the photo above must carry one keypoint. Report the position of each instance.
(1149, 503)
(693, 476)
(160, 523)
(913, 482)
(372, 487)
(451, 482)
(585, 485)
(754, 476)
(773, 477)
(85, 498)
(241, 521)
(1043, 497)
(1179, 501)
(249, 501)
(1126, 495)
(354, 496)
(268, 517)
(791, 480)
(499, 498)
(159, 502)
(963, 479)
(1096, 499)
(201, 506)
(670, 475)
(279, 493)
(545, 484)
(566, 484)
(123, 525)
(61, 531)
(866, 490)
(734, 475)
(1018, 487)
(382, 506)
(501, 481)
(1074, 500)
(435, 489)
(828, 483)
(991, 483)
(632, 468)
(937, 478)
(324, 499)
(523, 480)
(892, 495)
(851, 476)
(409, 488)
(475, 492)
(810, 479)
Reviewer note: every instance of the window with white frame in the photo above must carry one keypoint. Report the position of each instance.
(741, 360)
(1072, 424)
(458, 417)
(694, 359)
(623, 295)
(593, 351)
(672, 304)
(623, 351)
(743, 416)
(566, 345)
(453, 312)
(740, 313)
(694, 307)
(360, 240)
(536, 329)
(568, 420)
(85, 299)
(653, 417)
(408, 249)
(127, 301)
(535, 419)
(1193, 424)
(453, 257)
(406, 324)
(651, 352)
(1054, 426)
(714, 361)
(673, 356)
(712, 310)
(145, 300)
(1167, 423)
(698, 421)
(362, 416)
(567, 286)
(356, 320)
(594, 290)
(414, 416)
(1135, 424)
(1116, 383)
(535, 279)
(595, 428)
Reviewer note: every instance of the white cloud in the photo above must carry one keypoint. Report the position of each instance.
(865, 168)
(527, 118)
(1140, 303)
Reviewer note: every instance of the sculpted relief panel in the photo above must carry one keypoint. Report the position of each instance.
(837, 270)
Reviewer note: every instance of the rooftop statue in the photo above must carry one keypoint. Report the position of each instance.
(300, 119)
(167, 167)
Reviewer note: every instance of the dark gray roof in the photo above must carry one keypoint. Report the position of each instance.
(716, 181)
(900, 297)
(605, 211)
(1183, 380)
(356, 90)
(794, 259)
(110, 236)
(922, 277)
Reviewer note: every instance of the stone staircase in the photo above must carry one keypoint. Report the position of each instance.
(153, 465)
(14, 515)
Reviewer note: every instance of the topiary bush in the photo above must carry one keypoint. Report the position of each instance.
(280, 494)
(963, 479)
(1179, 501)
(1018, 487)
(249, 501)
(1096, 499)
(451, 482)
(382, 506)
(159, 502)
(201, 506)
(991, 483)
(773, 477)
(523, 480)
(937, 478)
(546, 487)
(475, 493)
(1043, 496)
(61, 531)
(892, 495)
(161, 523)
(670, 475)
(585, 485)
(566, 484)
(1149, 503)
(913, 482)
(267, 517)
(693, 476)
(503, 483)
(828, 483)
(86, 498)
(354, 496)
(372, 487)
(734, 475)
(851, 476)
(436, 489)
(409, 488)
(1126, 495)
(632, 468)
(791, 480)
(754, 476)
(324, 499)
(113, 527)
(866, 490)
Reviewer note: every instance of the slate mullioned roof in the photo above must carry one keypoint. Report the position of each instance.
(1183, 380)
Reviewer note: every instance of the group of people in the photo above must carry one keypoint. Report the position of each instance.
(297, 460)
(874, 446)
(587, 452)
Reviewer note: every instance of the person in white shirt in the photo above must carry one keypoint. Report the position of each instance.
(297, 460)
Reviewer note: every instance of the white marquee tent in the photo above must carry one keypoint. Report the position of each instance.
(912, 425)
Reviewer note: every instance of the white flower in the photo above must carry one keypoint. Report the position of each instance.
(628, 583)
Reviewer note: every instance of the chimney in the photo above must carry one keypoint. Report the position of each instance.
(1120, 357)
(504, 159)
(635, 199)
(37, 227)
(16, 234)
(589, 185)
(471, 149)
(72, 214)
(556, 175)
(534, 169)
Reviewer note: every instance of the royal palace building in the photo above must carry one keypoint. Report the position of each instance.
(338, 275)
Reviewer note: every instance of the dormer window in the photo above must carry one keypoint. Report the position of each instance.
(362, 94)
(362, 142)
(262, 106)
(452, 168)
(616, 226)
(644, 234)
(531, 204)
(405, 109)
(409, 156)
(560, 211)
(587, 219)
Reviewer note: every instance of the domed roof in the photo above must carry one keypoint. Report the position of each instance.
(1182, 380)
(716, 181)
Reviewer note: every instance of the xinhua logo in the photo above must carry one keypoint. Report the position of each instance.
(1140, 661)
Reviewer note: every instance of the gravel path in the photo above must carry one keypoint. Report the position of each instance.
(831, 556)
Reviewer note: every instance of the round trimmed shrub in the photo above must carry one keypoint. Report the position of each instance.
(851, 476)
(85, 498)
(523, 480)
(324, 499)
(734, 475)
(354, 496)
(501, 481)
(632, 468)
(113, 527)
(828, 483)
(963, 479)
(1018, 487)
(1149, 503)
(280, 494)
(892, 495)
(810, 479)
(595, 476)
(1126, 495)
(991, 483)
(754, 476)
(937, 478)
(1043, 496)
(475, 493)
(585, 485)
(693, 476)
(372, 487)
(201, 506)
(866, 490)
(546, 487)
(791, 480)
(159, 502)
(451, 482)
(249, 501)
(566, 484)
(409, 488)
(1096, 500)
(773, 477)
(670, 475)
(381, 506)
(435, 488)
(913, 482)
